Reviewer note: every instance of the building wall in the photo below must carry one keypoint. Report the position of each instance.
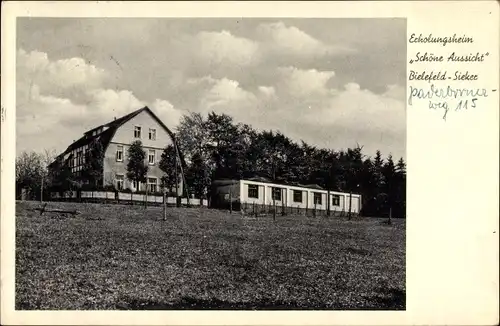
(76, 163)
(265, 197)
(114, 168)
(124, 136)
(323, 196)
(244, 192)
(355, 203)
(222, 193)
(341, 206)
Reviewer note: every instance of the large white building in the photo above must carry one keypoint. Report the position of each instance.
(115, 138)
(262, 192)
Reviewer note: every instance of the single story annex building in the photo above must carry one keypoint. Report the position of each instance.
(248, 193)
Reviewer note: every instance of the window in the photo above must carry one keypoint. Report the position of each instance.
(152, 134)
(317, 198)
(253, 191)
(152, 184)
(79, 157)
(136, 185)
(335, 200)
(151, 157)
(137, 132)
(276, 193)
(297, 196)
(119, 153)
(119, 181)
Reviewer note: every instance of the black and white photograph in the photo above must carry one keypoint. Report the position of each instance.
(210, 163)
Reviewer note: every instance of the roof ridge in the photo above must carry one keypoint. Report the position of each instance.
(123, 117)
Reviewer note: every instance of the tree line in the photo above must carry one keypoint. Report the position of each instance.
(213, 147)
(216, 147)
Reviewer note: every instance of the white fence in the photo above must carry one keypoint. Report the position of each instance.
(123, 197)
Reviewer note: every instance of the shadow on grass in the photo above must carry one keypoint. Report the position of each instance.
(359, 252)
(388, 300)
(189, 303)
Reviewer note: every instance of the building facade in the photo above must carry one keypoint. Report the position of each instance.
(115, 138)
(262, 192)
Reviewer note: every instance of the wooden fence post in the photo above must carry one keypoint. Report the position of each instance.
(230, 200)
(41, 191)
(350, 204)
(164, 205)
(274, 208)
(146, 197)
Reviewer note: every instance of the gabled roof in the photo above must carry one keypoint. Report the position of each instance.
(111, 127)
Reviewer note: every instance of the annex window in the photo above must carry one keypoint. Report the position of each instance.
(152, 184)
(317, 198)
(151, 157)
(119, 153)
(152, 134)
(297, 196)
(253, 191)
(137, 132)
(119, 181)
(335, 200)
(276, 193)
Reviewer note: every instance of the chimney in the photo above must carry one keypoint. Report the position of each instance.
(114, 118)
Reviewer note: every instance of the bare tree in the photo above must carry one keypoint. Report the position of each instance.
(47, 158)
(32, 170)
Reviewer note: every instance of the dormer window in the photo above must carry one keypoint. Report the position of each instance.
(137, 132)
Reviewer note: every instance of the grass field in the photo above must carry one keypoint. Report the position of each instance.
(126, 257)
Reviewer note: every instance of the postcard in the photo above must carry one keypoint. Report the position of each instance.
(250, 163)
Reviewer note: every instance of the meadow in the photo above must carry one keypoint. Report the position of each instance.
(128, 257)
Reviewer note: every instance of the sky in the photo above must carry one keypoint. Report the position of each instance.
(333, 83)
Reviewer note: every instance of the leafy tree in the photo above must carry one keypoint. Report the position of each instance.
(93, 164)
(62, 179)
(137, 168)
(168, 164)
(295, 171)
(193, 137)
(198, 178)
(274, 151)
(221, 134)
